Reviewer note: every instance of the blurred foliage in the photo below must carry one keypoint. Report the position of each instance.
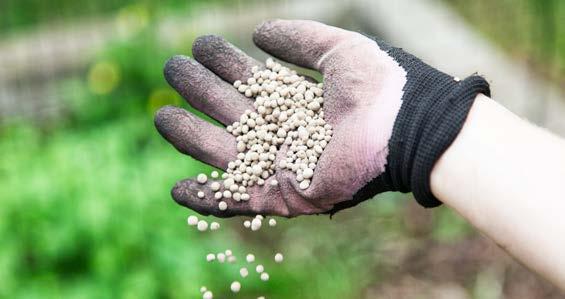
(531, 30)
(85, 205)
(17, 15)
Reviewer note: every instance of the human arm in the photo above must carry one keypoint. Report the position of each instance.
(504, 175)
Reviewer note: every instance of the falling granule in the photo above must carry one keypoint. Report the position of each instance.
(192, 220)
(235, 286)
(259, 268)
(214, 226)
(203, 289)
(247, 224)
(279, 257)
(221, 257)
(243, 272)
(256, 224)
(272, 222)
(250, 258)
(207, 295)
(210, 257)
(202, 225)
(264, 276)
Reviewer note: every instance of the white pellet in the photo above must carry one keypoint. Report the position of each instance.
(243, 272)
(250, 258)
(307, 173)
(247, 223)
(228, 182)
(215, 186)
(222, 205)
(279, 257)
(231, 259)
(215, 174)
(207, 295)
(214, 226)
(255, 224)
(210, 257)
(274, 183)
(203, 289)
(259, 268)
(236, 196)
(264, 276)
(221, 257)
(304, 184)
(272, 222)
(235, 286)
(192, 220)
(200, 194)
(202, 178)
(202, 225)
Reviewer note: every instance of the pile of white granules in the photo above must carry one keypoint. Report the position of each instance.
(288, 111)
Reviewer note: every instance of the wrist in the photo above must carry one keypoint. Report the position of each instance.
(459, 166)
(425, 127)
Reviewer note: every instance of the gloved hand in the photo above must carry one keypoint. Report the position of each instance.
(392, 114)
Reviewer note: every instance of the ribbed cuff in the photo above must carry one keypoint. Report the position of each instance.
(444, 120)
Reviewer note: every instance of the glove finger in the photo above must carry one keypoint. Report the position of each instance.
(224, 59)
(205, 91)
(185, 193)
(198, 138)
(301, 42)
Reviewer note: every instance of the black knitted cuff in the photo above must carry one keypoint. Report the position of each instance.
(424, 129)
(444, 120)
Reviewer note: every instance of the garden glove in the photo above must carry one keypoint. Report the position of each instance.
(392, 114)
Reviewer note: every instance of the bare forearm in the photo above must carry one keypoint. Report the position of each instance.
(504, 175)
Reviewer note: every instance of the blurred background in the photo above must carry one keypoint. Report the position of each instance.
(85, 210)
